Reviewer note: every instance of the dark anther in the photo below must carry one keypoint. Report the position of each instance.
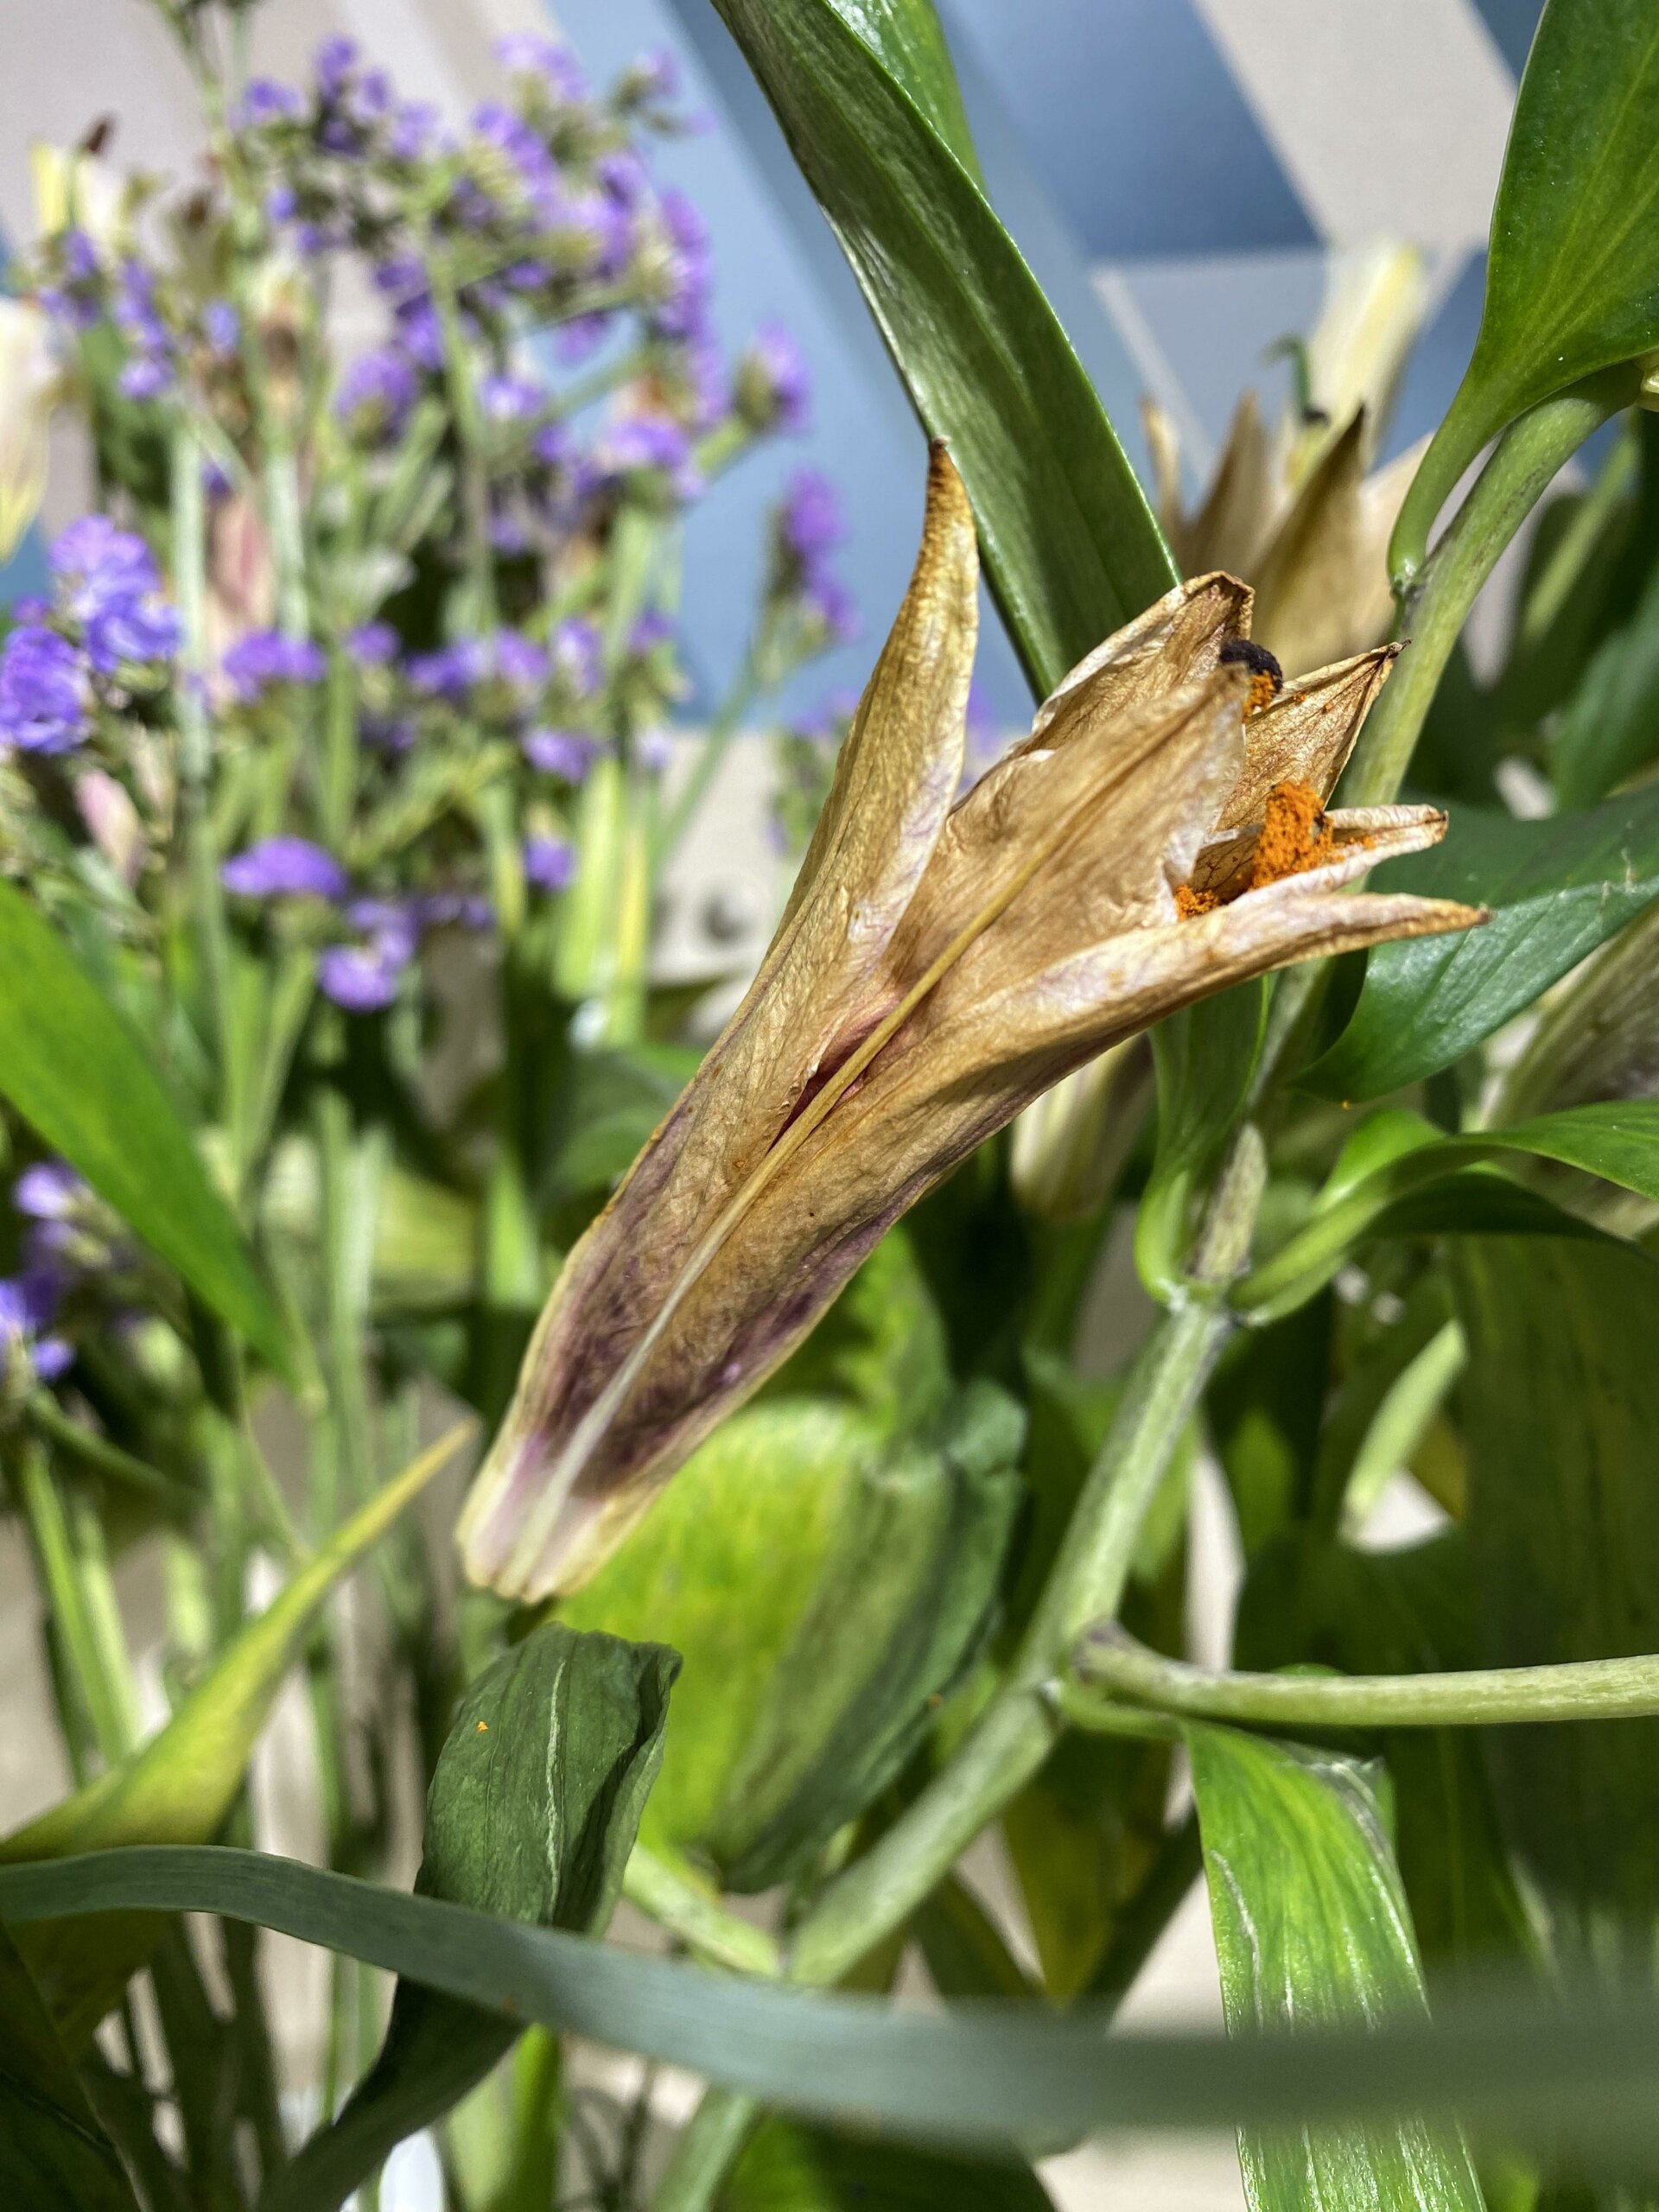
(1244, 652)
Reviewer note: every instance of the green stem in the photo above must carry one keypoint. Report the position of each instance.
(474, 467)
(106, 1458)
(82, 1614)
(1110, 1663)
(1525, 461)
(671, 1897)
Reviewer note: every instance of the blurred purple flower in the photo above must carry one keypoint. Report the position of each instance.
(266, 101)
(828, 602)
(576, 654)
(450, 671)
(507, 398)
(28, 1304)
(565, 752)
(333, 63)
(220, 325)
(281, 203)
(44, 695)
(520, 661)
(377, 392)
(577, 340)
(372, 645)
(690, 274)
(550, 863)
(413, 132)
(47, 1190)
(266, 657)
(97, 565)
(533, 53)
(359, 978)
(146, 376)
(284, 867)
(653, 749)
(652, 630)
(812, 524)
(773, 384)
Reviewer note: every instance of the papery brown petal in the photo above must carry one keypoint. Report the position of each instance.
(1176, 642)
(1306, 734)
(1164, 444)
(1232, 527)
(1365, 837)
(1322, 585)
(898, 774)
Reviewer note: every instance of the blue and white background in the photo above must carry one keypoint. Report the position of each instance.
(1178, 171)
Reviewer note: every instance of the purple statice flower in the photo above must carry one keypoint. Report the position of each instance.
(414, 132)
(97, 565)
(372, 645)
(708, 383)
(520, 661)
(284, 867)
(360, 978)
(651, 631)
(450, 671)
(579, 339)
(576, 655)
(437, 908)
(44, 693)
(508, 398)
(146, 376)
(650, 81)
(282, 203)
(262, 657)
(550, 863)
(149, 369)
(812, 524)
(568, 754)
(690, 267)
(652, 444)
(265, 101)
(80, 262)
(391, 734)
(554, 445)
(829, 602)
(533, 53)
(774, 387)
(420, 330)
(653, 749)
(220, 325)
(377, 392)
(139, 630)
(332, 64)
(609, 229)
(50, 1189)
(28, 1304)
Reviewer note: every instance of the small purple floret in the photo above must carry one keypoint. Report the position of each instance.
(284, 867)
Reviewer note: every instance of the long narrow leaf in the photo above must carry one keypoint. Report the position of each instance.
(1531, 2062)
(71, 1065)
(1070, 546)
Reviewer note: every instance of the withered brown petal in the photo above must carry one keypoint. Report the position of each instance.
(1306, 734)
(1231, 529)
(1322, 585)
(1176, 642)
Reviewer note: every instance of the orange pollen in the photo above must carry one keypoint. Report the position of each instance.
(1189, 902)
(1295, 836)
(1262, 693)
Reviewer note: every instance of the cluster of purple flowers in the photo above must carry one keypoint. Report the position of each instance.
(107, 619)
(262, 659)
(52, 1198)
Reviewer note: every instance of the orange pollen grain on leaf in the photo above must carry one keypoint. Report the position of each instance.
(1295, 836)
(483, 1727)
(1189, 902)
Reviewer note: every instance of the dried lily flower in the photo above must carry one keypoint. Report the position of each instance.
(936, 968)
(1293, 509)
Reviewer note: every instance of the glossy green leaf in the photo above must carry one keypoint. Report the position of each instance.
(533, 1809)
(1425, 1184)
(1610, 726)
(179, 1787)
(54, 2156)
(1312, 1928)
(906, 37)
(1561, 1404)
(786, 2167)
(723, 1568)
(1311, 1601)
(1069, 544)
(901, 1608)
(72, 1068)
(1573, 274)
(1557, 889)
(987, 2074)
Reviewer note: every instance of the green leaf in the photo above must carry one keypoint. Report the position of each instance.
(1557, 888)
(1205, 1057)
(72, 1068)
(1069, 544)
(1312, 1928)
(1426, 1185)
(53, 2155)
(1527, 2060)
(786, 2167)
(723, 1568)
(179, 1787)
(1560, 1405)
(1610, 727)
(1309, 1601)
(1573, 275)
(533, 1809)
(900, 1610)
